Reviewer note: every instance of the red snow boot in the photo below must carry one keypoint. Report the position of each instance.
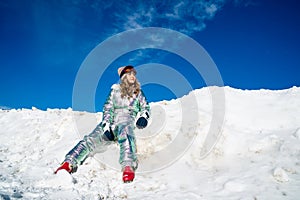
(128, 174)
(66, 166)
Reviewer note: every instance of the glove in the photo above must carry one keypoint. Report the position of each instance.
(142, 120)
(107, 131)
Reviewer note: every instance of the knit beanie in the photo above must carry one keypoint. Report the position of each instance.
(125, 69)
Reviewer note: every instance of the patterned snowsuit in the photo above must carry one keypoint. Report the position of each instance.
(120, 113)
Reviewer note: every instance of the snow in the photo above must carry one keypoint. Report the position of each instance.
(257, 155)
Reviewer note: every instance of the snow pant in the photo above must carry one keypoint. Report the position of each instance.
(97, 142)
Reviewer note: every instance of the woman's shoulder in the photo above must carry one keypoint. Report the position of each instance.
(115, 87)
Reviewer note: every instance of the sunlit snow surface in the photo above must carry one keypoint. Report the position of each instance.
(256, 157)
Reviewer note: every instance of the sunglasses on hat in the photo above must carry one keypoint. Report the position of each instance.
(127, 69)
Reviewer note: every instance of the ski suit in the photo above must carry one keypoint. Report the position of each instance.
(120, 113)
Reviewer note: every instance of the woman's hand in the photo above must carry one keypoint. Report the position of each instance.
(142, 120)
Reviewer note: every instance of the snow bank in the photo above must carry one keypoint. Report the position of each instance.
(256, 157)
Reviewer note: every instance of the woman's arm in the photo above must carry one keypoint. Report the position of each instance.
(108, 109)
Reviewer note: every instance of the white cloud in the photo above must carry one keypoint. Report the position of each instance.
(211, 10)
(175, 14)
(138, 19)
(100, 19)
(187, 16)
(114, 16)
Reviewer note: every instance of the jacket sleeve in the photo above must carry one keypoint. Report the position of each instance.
(108, 109)
(144, 105)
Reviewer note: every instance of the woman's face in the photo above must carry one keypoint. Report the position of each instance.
(131, 77)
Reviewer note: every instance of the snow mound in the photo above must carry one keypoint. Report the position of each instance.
(257, 155)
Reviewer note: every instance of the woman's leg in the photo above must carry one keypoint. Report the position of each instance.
(95, 142)
(126, 140)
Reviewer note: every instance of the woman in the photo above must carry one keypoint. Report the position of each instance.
(125, 108)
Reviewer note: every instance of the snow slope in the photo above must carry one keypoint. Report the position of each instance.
(256, 157)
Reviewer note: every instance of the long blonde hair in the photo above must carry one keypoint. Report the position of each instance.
(129, 90)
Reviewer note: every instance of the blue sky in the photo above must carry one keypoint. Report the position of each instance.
(255, 44)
